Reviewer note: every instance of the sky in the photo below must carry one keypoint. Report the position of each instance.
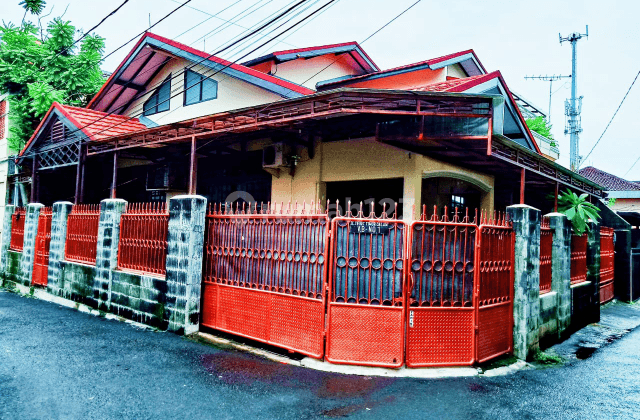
(519, 38)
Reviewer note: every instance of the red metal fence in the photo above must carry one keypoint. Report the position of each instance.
(41, 252)
(606, 264)
(578, 258)
(546, 247)
(17, 228)
(143, 238)
(82, 233)
(265, 275)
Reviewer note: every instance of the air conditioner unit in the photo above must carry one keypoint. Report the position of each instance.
(274, 156)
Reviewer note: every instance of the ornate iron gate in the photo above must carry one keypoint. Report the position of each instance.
(607, 256)
(41, 253)
(366, 308)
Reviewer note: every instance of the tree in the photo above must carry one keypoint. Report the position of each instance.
(541, 126)
(39, 66)
(578, 210)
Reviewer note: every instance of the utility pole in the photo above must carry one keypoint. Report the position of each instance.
(549, 79)
(573, 107)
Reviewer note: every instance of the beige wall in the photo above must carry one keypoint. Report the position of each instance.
(232, 94)
(316, 69)
(364, 159)
(455, 70)
(626, 204)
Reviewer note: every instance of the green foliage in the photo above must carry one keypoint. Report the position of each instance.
(540, 126)
(611, 202)
(578, 210)
(37, 70)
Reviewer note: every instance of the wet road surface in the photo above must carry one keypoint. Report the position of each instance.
(58, 363)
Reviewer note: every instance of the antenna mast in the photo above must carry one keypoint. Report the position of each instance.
(573, 107)
(549, 79)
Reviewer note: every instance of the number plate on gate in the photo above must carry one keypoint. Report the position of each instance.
(369, 228)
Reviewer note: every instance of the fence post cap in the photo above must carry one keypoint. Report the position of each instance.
(113, 200)
(187, 197)
(35, 205)
(521, 206)
(555, 214)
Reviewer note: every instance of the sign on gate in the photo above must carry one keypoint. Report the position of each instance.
(366, 297)
(41, 253)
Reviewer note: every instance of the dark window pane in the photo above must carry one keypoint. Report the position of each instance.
(192, 86)
(209, 89)
(164, 95)
(150, 107)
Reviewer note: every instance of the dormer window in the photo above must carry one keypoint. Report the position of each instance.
(198, 88)
(159, 101)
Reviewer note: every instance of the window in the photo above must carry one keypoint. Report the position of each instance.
(159, 101)
(198, 88)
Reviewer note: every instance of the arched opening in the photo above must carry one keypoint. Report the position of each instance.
(455, 191)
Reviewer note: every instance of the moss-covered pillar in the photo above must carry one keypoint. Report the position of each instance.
(107, 251)
(561, 268)
(6, 235)
(59, 215)
(29, 244)
(526, 302)
(187, 215)
(593, 269)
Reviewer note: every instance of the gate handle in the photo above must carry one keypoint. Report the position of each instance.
(411, 283)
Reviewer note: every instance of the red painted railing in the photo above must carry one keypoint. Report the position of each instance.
(265, 275)
(82, 233)
(143, 238)
(546, 247)
(607, 256)
(17, 228)
(578, 258)
(41, 251)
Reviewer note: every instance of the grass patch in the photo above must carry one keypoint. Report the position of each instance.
(547, 358)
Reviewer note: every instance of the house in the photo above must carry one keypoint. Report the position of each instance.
(309, 124)
(626, 194)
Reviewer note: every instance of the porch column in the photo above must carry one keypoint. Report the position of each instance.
(114, 177)
(59, 215)
(28, 248)
(561, 268)
(34, 179)
(193, 168)
(6, 235)
(593, 269)
(522, 173)
(526, 267)
(184, 262)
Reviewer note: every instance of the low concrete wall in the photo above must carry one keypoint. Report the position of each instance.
(581, 305)
(11, 271)
(548, 321)
(75, 281)
(139, 298)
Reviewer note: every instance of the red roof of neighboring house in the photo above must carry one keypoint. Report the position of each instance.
(608, 181)
(95, 125)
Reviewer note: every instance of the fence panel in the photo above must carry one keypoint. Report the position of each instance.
(494, 297)
(578, 258)
(143, 238)
(546, 247)
(17, 228)
(441, 316)
(265, 276)
(366, 301)
(607, 256)
(82, 233)
(41, 252)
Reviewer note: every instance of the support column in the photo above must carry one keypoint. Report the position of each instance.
(184, 262)
(6, 235)
(526, 302)
(107, 251)
(593, 269)
(193, 167)
(522, 176)
(114, 179)
(561, 268)
(34, 179)
(59, 214)
(29, 246)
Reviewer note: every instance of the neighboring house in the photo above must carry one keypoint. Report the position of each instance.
(306, 124)
(626, 193)
(548, 147)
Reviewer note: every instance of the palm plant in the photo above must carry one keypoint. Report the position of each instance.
(578, 210)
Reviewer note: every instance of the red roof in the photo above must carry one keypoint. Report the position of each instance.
(453, 85)
(608, 181)
(95, 125)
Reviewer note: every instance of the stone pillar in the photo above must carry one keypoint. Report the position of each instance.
(593, 269)
(526, 302)
(184, 262)
(29, 245)
(561, 268)
(59, 214)
(6, 235)
(106, 252)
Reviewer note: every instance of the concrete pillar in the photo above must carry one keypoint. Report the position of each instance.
(5, 242)
(107, 251)
(526, 303)
(59, 214)
(29, 246)
(593, 268)
(184, 262)
(561, 268)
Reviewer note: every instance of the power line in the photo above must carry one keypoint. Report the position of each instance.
(366, 39)
(614, 115)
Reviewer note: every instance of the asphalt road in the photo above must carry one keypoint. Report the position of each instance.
(58, 363)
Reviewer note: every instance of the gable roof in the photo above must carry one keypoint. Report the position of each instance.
(608, 181)
(432, 63)
(352, 47)
(152, 52)
(95, 125)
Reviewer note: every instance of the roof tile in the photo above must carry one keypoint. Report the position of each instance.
(608, 181)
